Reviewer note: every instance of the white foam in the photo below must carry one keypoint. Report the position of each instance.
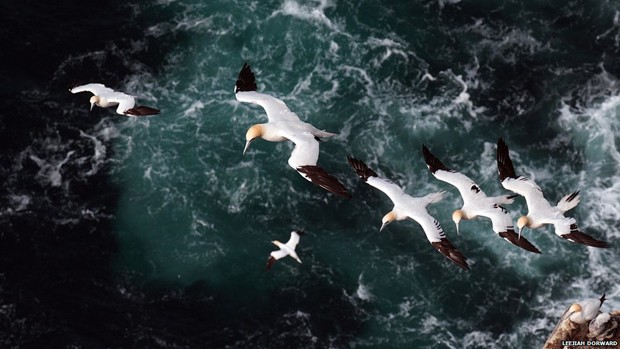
(308, 13)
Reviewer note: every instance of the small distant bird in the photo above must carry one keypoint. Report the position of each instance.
(285, 125)
(540, 211)
(406, 206)
(287, 249)
(105, 97)
(585, 311)
(476, 202)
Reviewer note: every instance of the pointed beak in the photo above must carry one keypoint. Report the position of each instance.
(383, 226)
(520, 230)
(247, 145)
(91, 106)
(457, 229)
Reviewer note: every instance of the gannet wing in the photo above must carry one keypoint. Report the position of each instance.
(435, 235)
(245, 91)
(125, 101)
(304, 158)
(518, 184)
(294, 240)
(503, 226)
(95, 89)
(468, 189)
(391, 189)
(567, 228)
(278, 254)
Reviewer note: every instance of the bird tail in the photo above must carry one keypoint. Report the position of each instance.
(568, 202)
(434, 197)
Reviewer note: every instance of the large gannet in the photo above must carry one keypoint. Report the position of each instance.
(285, 125)
(105, 97)
(585, 311)
(287, 249)
(477, 203)
(540, 211)
(406, 206)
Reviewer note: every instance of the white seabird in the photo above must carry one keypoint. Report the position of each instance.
(540, 211)
(406, 206)
(585, 311)
(287, 249)
(477, 203)
(105, 97)
(285, 125)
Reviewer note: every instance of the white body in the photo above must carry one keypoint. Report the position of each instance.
(406, 206)
(287, 249)
(107, 97)
(540, 211)
(285, 125)
(476, 202)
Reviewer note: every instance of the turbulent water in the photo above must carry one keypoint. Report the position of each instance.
(154, 232)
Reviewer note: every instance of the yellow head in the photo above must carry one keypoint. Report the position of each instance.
(94, 100)
(575, 315)
(523, 221)
(387, 219)
(253, 133)
(456, 217)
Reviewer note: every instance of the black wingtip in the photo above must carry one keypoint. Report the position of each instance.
(505, 167)
(320, 177)
(270, 263)
(432, 162)
(582, 238)
(446, 248)
(245, 80)
(511, 236)
(300, 232)
(572, 196)
(142, 110)
(362, 170)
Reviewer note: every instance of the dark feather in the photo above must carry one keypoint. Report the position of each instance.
(245, 80)
(320, 177)
(270, 262)
(582, 238)
(361, 169)
(446, 248)
(141, 110)
(511, 236)
(504, 164)
(432, 162)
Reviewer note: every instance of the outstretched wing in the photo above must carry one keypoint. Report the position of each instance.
(468, 189)
(96, 89)
(293, 241)
(304, 158)
(125, 101)
(437, 238)
(502, 225)
(245, 91)
(391, 189)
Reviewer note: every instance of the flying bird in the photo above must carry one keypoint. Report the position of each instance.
(105, 97)
(477, 203)
(540, 211)
(406, 206)
(285, 125)
(287, 249)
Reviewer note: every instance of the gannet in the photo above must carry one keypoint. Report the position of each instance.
(585, 311)
(477, 203)
(406, 206)
(287, 249)
(105, 97)
(540, 211)
(285, 125)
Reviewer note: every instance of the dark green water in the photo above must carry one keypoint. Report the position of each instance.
(154, 233)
